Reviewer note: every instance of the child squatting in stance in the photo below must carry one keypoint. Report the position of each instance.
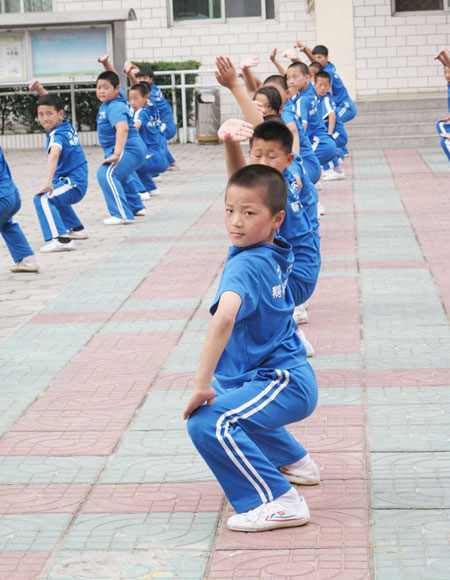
(253, 374)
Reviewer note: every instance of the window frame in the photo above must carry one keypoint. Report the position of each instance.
(223, 19)
(395, 12)
(22, 8)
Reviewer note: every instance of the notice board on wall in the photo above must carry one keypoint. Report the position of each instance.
(12, 58)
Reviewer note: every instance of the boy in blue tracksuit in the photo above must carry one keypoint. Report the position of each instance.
(66, 179)
(443, 125)
(307, 106)
(253, 374)
(124, 151)
(16, 242)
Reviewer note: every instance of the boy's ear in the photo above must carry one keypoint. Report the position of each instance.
(290, 158)
(61, 114)
(278, 219)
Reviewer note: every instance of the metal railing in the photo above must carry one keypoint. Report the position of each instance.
(173, 87)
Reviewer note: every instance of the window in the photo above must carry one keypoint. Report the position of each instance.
(222, 9)
(418, 5)
(25, 5)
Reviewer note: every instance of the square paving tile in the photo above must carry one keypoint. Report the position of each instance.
(39, 533)
(22, 565)
(47, 470)
(42, 499)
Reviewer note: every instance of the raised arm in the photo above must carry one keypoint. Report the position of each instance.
(130, 70)
(36, 86)
(233, 132)
(303, 48)
(226, 75)
(443, 55)
(107, 64)
(276, 62)
(252, 83)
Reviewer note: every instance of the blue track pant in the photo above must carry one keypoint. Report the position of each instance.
(242, 438)
(12, 233)
(324, 147)
(346, 111)
(154, 164)
(312, 167)
(445, 143)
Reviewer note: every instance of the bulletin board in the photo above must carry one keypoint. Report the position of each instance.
(12, 57)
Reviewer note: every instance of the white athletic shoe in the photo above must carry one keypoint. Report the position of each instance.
(154, 192)
(302, 472)
(56, 246)
(320, 208)
(300, 314)
(173, 167)
(140, 212)
(333, 175)
(308, 346)
(27, 264)
(145, 196)
(272, 515)
(77, 235)
(115, 221)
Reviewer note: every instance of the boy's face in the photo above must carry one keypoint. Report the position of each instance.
(321, 59)
(49, 117)
(146, 78)
(264, 102)
(322, 86)
(247, 218)
(136, 100)
(447, 73)
(270, 153)
(296, 80)
(106, 92)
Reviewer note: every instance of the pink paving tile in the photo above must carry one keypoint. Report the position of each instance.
(182, 273)
(74, 419)
(393, 264)
(327, 564)
(327, 529)
(70, 318)
(406, 161)
(408, 378)
(68, 392)
(168, 497)
(339, 378)
(212, 219)
(202, 314)
(192, 240)
(335, 494)
(56, 443)
(42, 499)
(22, 565)
(337, 237)
(326, 340)
(332, 428)
(337, 465)
(146, 315)
(121, 356)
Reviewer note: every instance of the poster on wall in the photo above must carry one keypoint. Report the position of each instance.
(11, 58)
(68, 53)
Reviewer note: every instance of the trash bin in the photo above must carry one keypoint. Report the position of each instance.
(207, 114)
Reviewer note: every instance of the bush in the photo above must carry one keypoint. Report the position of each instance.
(165, 80)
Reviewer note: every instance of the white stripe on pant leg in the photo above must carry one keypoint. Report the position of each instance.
(315, 142)
(63, 188)
(48, 215)
(344, 109)
(114, 191)
(244, 466)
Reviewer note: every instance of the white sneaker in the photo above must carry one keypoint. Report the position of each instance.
(142, 211)
(115, 221)
(154, 192)
(145, 196)
(308, 346)
(339, 172)
(173, 167)
(270, 516)
(318, 185)
(330, 175)
(77, 235)
(302, 472)
(27, 264)
(56, 246)
(300, 314)
(320, 208)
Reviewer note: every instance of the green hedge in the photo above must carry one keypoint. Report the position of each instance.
(18, 108)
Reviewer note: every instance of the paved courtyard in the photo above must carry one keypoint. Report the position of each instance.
(98, 478)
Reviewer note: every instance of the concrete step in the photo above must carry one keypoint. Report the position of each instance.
(437, 103)
(406, 117)
(390, 130)
(394, 142)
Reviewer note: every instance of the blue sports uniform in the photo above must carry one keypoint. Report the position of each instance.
(310, 161)
(445, 128)
(262, 382)
(308, 193)
(327, 106)
(299, 232)
(70, 181)
(168, 127)
(307, 108)
(155, 159)
(345, 107)
(12, 233)
(121, 195)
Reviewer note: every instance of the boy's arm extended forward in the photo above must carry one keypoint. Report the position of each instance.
(226, 75)
(107, 64)
(52, 162)
(36, 86)
(217, 336)
(252, 83)
(303, 48)
(130, 70)
(443, 55)
(233, 132)
(121, 140)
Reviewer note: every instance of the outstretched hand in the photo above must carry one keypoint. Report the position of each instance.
(249, 62)
(442, 51)
(34, 85)
(235, 130)
(226, 74)
(300, 45)
(273, 55)
(291, 55)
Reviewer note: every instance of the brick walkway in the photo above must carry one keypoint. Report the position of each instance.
(98, 479)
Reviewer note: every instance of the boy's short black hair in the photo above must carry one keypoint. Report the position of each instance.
(109, 75)
(273, 96)
(275, 118)
(276, 79)
(323, 75)
(145, 72)
(147, 86)
(51, 101)
(301, 66)
(316, 65)
(141, 88)
(274, 131)
(263, 176)
(320, 49)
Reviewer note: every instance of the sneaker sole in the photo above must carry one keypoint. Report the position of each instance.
(298, 481)
(274, 527)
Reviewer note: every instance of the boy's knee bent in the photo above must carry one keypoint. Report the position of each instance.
(201, 425)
